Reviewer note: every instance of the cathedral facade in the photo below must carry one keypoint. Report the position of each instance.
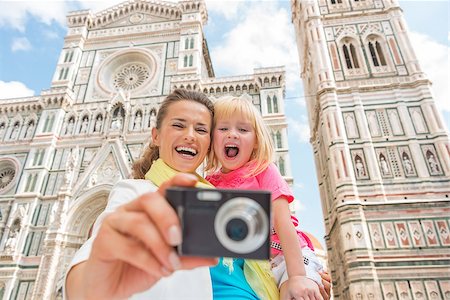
(381, 149)
(62, 151)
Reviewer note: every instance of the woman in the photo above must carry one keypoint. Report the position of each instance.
(131, 249)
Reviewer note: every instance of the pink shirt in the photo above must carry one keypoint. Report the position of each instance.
(271, 180)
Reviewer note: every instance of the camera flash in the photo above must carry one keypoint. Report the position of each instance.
(209, 196)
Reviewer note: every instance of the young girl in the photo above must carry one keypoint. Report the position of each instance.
(241, 158)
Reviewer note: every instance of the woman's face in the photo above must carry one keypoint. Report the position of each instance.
(184, 136)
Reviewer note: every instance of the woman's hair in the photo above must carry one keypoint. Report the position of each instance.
(151, 153)
(228, 106)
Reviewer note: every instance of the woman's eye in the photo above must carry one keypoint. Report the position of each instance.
(202, 130)
(178, 125)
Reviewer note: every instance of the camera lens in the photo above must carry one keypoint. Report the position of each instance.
(237, 229)
(241, 225)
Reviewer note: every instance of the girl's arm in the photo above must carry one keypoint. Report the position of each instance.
(288, 237)
(298, 286)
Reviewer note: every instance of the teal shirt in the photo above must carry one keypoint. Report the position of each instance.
(232, 286)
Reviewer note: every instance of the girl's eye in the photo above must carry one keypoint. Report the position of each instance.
(222, 129)
(243, 130)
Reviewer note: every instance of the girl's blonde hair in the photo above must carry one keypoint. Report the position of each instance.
(228, 106)
(151, 153)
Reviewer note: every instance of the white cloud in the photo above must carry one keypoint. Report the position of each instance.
(20, 44)
(263, 37)
(46, 12)
(14, 89)
(229, 9)
(434, 60)
(300, 128)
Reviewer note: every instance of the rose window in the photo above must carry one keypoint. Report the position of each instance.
(129, 70)
(6, 177)
(131, 77)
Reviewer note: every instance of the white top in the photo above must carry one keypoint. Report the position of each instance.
(192, 284)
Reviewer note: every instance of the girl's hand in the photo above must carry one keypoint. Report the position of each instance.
(325, 290)
(133, 249)
(301, 287)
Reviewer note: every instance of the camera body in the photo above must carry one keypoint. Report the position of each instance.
(223, 222)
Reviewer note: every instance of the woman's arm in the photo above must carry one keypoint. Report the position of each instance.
(133, 249)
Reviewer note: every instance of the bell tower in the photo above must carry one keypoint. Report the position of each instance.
(381, 149)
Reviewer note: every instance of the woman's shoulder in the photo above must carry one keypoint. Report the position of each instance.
(129, 189)
(135, 184)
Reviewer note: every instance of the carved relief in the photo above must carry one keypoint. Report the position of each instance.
(389, 235)
(430, 233)
(417, 290)
(403, 234)
(376, 235)
(372, 120)
(418, 120)
(416, 233)
(443, 232)
(350, 125)
(394, 120)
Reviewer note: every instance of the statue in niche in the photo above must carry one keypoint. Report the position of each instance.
(30, 130)
(84, 125)
(418, 121)
(14, 132)
(137, 121)
(434, 167)
(117, 122)
(98, 124)
(71, 163)
(10, 245)
(373, 123)
(360, 170)
(69, 129)
(152, 119)
(384, 166)
(351, 126)
(2, 130)
(407, 164)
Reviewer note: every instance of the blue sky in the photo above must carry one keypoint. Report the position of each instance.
(241, 35)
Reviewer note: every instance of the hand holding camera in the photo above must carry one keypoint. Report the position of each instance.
(223, 223)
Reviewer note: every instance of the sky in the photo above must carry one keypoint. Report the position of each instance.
(241, 35)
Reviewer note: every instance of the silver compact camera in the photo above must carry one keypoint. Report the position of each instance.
(222, 222)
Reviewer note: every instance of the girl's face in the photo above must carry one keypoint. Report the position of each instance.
(234, 141)
(184, 136)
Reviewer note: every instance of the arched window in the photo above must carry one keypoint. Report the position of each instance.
(186, 43)
(275, 104)
(269, 105)
(377, 54)
(278, 141)
(61, 74)
(65, 73)
(351, 58)
(281, 166)
(192, 43)
(185, 61)
(191, 60)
